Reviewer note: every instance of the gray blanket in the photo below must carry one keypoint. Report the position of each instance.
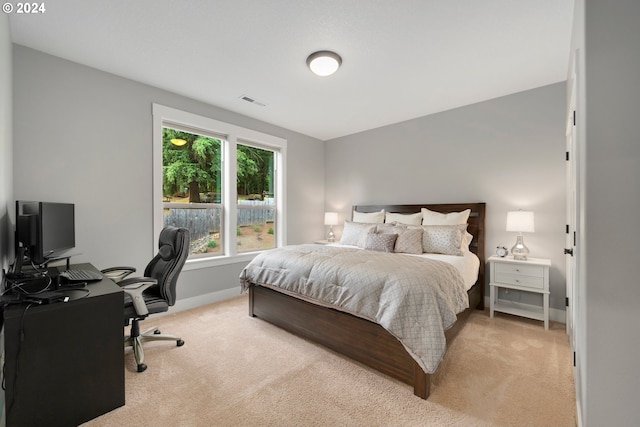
(415, 299)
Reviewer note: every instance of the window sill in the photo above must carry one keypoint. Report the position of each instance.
(199, 263)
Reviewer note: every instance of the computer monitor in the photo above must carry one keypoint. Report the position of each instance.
(43, 228)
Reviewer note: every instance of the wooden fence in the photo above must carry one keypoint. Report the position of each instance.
(204, 219)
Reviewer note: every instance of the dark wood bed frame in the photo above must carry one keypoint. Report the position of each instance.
(360, 339)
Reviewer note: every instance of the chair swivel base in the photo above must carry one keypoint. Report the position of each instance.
(151, 334)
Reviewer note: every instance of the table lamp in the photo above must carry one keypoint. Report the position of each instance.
(331, 219)
(520, 222)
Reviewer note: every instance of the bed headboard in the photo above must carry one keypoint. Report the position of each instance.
(476, 222)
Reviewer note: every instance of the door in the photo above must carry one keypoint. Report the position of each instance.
(572, 194)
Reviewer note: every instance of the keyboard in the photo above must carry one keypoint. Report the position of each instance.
(81, 275)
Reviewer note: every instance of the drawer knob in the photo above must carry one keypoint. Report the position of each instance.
(517, 281)
(518, 270)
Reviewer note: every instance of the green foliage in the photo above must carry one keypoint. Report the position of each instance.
(256, 228)
(238, 231)
(195, 166)
(270, 230)
(212, 244)
(255, 170)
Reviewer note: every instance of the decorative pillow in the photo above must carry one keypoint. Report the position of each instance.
(443, 239)
(408, 219)
(437, 218)
(380, 242)
(409, 238)
(369, 217)
(355, 234)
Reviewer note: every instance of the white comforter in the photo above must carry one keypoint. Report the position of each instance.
(415, 299)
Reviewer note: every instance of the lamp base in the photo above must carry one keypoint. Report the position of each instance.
(519, 250)
(331, 237)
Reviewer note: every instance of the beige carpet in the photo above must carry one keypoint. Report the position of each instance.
(240, 371)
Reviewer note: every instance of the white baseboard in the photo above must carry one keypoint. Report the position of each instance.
(193, 302)
(555, 314)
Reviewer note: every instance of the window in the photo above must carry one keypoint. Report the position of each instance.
(192, 187)
(256, 227)
(222, 182)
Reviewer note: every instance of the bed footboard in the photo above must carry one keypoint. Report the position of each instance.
(356, 338)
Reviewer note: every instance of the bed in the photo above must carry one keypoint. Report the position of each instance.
(357, 337)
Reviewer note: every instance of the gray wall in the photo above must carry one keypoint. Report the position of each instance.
(606, 38)
(6, 181)
(6, 143)
(85, 136)
(507, 152)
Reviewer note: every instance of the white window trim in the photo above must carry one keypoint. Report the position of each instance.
(163, 115)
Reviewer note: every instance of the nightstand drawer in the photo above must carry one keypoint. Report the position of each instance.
(519, 269)
(520, 280)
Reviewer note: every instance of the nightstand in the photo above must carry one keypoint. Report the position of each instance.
(531, 275)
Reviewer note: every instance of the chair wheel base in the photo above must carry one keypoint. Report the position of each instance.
(142, 367)
(180, 343)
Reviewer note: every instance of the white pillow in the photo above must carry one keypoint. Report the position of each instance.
(369, 217)
(355, 234)
(467, 238)
(443, 239)
(407, 219)
(437, 218)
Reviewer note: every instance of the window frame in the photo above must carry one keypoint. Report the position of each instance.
(230, 135)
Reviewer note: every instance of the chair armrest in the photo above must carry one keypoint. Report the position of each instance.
(117, 274)
(134, 287)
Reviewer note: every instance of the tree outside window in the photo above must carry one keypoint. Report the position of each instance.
(191, 167)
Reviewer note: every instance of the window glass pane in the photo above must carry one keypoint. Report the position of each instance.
(192, 187)
(256, 198)
(204, 224)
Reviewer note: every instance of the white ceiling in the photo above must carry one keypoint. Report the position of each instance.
(401, 58)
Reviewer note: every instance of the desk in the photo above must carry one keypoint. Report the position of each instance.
(69, 367)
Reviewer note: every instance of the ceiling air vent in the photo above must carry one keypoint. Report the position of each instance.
(253, 101)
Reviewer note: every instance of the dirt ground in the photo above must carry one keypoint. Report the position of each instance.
(249, 238)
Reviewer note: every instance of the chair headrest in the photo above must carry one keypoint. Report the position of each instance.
(166, 252)
(167, 243)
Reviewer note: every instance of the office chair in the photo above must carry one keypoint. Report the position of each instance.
(155, 292)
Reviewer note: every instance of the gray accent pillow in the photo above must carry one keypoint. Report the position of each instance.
(355, 233)
(409, 238)
(380, 242)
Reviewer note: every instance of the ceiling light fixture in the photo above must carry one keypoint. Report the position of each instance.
(179, 142)
(324, 63)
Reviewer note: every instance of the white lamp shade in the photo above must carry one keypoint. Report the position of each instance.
(331, 218)
(520, 221)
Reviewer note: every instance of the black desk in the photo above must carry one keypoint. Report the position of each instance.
(69, 366)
